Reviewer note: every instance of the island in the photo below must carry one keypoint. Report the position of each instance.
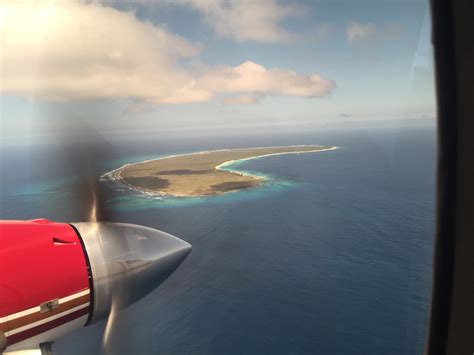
(200, 174)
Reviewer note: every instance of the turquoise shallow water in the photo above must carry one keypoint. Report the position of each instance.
(131, 201)
(47, 187)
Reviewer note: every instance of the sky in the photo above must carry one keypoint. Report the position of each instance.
(203, 65)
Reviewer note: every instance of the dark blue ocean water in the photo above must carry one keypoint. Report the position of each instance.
(333, 257)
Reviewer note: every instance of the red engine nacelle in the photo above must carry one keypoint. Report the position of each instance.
(56, 277)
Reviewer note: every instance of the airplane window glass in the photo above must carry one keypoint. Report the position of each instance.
(291, 144)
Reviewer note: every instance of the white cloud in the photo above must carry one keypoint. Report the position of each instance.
(252, 77)
(246, 20)
(88, 51)
(74, 50)
(360, 32)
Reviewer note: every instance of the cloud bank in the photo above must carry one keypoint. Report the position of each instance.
(82, 51)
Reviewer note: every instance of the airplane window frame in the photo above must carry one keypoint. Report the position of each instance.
(452, 309)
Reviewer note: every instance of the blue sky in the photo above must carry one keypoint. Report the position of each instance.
(199, 65)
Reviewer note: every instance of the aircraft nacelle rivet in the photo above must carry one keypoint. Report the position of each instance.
(49, 306)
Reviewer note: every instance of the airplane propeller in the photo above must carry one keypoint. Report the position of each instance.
(133, 259)
(85, 150)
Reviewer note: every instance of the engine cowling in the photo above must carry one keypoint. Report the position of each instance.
(56, 277)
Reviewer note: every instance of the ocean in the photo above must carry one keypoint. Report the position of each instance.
(332, 256)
